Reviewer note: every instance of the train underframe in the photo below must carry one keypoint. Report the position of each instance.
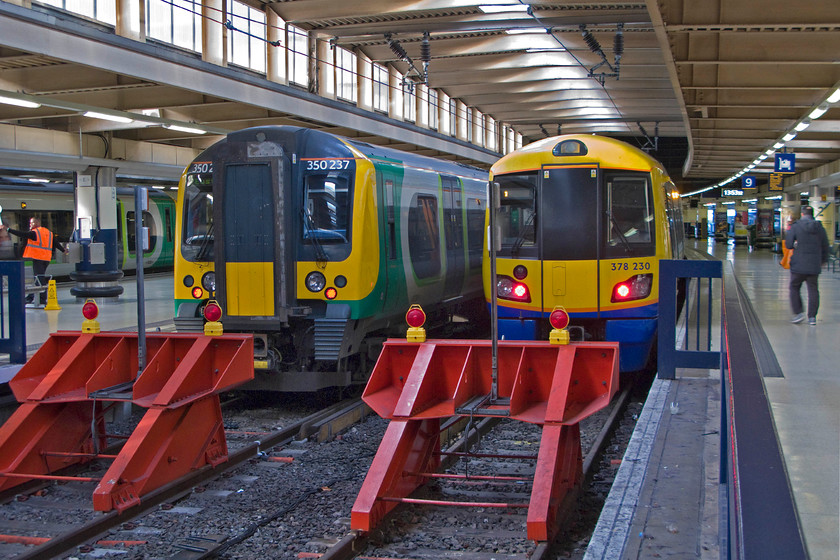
(309, 354)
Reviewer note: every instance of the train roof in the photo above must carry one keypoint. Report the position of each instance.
(307, 140)
(608, 152)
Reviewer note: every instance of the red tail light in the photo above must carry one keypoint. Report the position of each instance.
(508, 288)
(635, 287)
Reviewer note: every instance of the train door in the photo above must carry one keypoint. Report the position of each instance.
(453, 231)
(568, 238)
(248, 250)
(389, 258)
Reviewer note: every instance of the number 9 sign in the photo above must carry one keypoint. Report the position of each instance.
(749, 182)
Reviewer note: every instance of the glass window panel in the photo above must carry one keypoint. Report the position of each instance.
(345, 66)
(298, 56)
(380, 88)
(433, 109)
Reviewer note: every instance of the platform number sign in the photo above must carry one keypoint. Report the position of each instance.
(748, 182)
(785, 163)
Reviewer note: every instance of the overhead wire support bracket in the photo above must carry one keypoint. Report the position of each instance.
(595, 47)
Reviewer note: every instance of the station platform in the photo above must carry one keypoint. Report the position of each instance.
(115, 314)
(665, 499)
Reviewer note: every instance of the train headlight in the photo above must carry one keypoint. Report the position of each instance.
(331, 293)
(635, 287)
(520, 272)
(508, 288)
(189, 281)
(197, 292)
(315, 281)
(208, 281)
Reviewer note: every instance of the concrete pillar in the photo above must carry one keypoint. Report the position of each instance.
(822, 201)
(214, 33)
(276, 68)
(789, 211)
(98, 271)
(131, 19)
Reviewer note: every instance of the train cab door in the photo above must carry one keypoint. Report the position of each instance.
(248, 282)
(453, 231)
(568, 234)
(389, 258)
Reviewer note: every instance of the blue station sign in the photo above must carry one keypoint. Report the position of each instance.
(748, 182)
(785, 163)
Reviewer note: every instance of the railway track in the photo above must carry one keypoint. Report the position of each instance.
(494, 526)
(48, 519)
(287, 493)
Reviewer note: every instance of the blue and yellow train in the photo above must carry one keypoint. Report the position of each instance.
(318, 244)
(583, 223)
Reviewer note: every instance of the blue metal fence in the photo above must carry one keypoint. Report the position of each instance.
(758, 513)
(12, 311)
(670, 358)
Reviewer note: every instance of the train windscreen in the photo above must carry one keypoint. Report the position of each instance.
(325, 216)
(517, 214)
(197, 238)
(628, 208)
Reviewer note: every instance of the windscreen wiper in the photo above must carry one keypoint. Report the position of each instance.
(309, 225)
(620, 233)
(521, 239)
(204, 249)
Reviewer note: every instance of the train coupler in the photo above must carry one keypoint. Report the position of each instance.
(75, 378)
(415, 385)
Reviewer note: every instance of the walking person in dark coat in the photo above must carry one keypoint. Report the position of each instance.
(809, 242)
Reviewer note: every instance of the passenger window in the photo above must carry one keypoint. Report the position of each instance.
(424, 237)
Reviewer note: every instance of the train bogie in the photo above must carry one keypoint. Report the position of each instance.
(583, 222)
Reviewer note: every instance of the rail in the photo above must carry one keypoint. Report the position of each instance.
(12, 311)
(758, 513)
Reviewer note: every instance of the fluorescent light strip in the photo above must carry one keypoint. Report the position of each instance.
(19, 102)
(524, 30)
(818, 111)
(186, 129)
(107, 117)
(800, 126)
(834, 97)
(501, 8)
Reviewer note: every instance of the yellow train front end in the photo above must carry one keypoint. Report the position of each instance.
(583, 221)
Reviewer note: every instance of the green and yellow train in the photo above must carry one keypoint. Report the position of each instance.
(319, 244)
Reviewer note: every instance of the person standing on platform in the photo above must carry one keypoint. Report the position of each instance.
(40, 243)
(809, 242)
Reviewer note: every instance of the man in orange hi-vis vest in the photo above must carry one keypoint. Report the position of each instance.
(40, 243)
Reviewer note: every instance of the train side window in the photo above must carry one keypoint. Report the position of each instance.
(475, 231)
(131, 238)
(167, 221)
(629, 223)
(424, 236)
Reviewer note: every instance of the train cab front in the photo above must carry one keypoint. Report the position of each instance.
(266, 228)
(576, 234)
